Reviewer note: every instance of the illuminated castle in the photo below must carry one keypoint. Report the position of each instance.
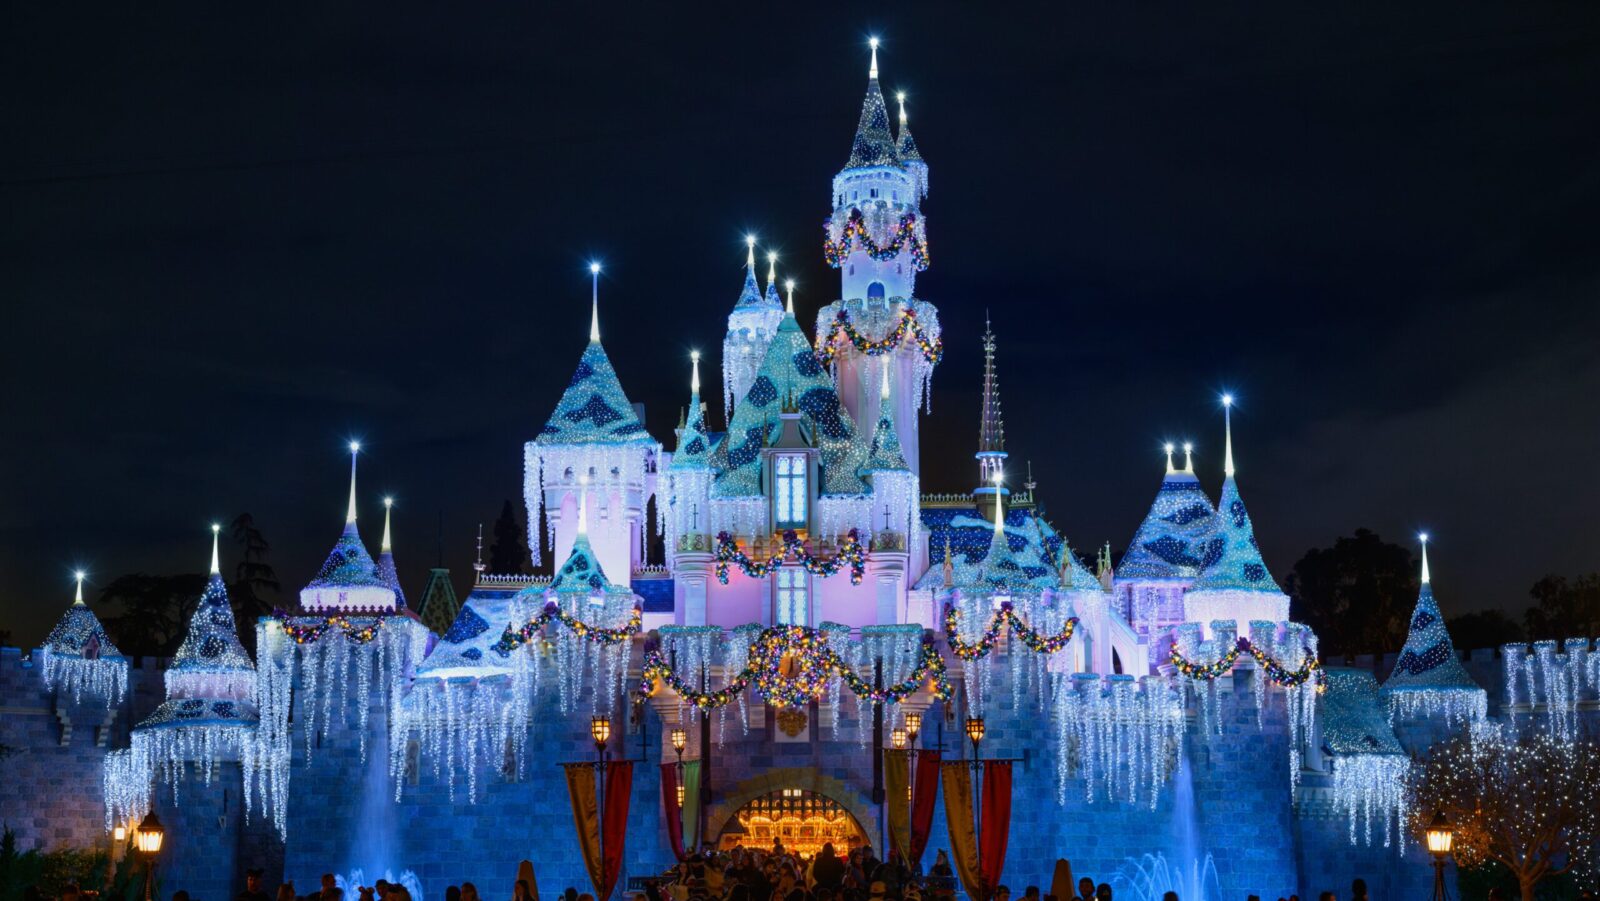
(814, 605)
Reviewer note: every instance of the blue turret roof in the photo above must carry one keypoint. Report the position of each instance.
(1428, 660)
(885, 454)
(1176, 539)
(694, 444)
(79, 634)
(594, 409)
(790, 372)
(751, 295)
(1032, 547)
(582, 573)
(348, 564)
(1237, 564)
(212, 643)
(873, 145)
(1352, 717)
(390, 577)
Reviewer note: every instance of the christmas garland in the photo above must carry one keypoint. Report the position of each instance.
(789, 666)
(931, 347)
(1275, 671)
(855, 232)
(303, 632)
(1004, 617)
(851, 551)
(512, 639)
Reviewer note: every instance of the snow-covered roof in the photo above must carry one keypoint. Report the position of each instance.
(1236, 564)
(211, 644)
(467, 648)
(1429, 660)
(1175, 541)
(1352, 717)
(593, 409)
(79, 634)
(349, 565)
(1033, 548)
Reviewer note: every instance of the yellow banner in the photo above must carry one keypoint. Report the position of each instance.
(897, 783)
(962, 828)
(586, 818)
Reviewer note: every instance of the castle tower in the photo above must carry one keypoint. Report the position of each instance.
(751, 325)
(991, 425)
(877, 240)
(348, 580)
(593, 435)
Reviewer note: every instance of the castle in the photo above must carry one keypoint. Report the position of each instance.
(821, 630)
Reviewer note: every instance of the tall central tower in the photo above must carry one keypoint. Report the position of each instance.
(877, 240)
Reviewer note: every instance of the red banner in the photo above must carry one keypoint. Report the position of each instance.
(619, 790)
(996, 821)
(670, 811)
(924, 795)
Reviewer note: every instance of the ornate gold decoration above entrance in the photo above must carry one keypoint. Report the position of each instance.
(802, 820)
(792, 721)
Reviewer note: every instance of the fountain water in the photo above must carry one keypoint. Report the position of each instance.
(375, 844)
(1151, 876)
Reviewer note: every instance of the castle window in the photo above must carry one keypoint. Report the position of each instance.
(875, 291)
(855, 195)
(792, 609)
(895, 196)
(789, 491)
(874, 192)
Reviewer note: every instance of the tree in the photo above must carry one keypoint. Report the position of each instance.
(1357, 595)
(1529, 802)
(252, 577)
(1564, 609)
(510, 546)
(1484, 629)
(154, 613)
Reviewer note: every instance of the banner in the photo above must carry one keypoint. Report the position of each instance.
(670, 814)
(586, 819)
(691, 806)
(959, 823)
(996, 820)
(619, 792)
(897, 795)
(922, 804)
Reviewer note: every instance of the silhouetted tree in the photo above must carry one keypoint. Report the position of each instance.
(1564, 609)
(253, 577)
(1484, 629)
(510, 546)
(154, 611)
(1356, 595)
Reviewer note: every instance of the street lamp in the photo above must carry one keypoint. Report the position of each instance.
(913, 726)
(680, 740)
(147, 840)
(1441, 836)
(600, 731)
(897, 739)
(975, 732)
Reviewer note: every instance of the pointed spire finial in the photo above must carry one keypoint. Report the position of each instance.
(885, 391)
(594, 311)
(750, 252)
(1227, 426)
(772, 269)
(388, 508)
(477, 563)
(80, 575)
(1169, 449)
(999, 511)
(789, 286)
(350, 511)
(872, 73)
(694, 378)
(216, 558)
(901, 96)
(1426, 577)
(1188, 457)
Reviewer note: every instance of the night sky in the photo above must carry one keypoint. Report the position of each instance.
(234, 238)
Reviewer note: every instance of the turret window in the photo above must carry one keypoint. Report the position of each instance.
(875, 291)
(789, 491)
(792, 607)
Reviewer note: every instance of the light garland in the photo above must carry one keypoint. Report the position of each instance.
(851, 552)
(515, 638)
(1279, 674)
(855, 235)
(789, 666)
(931, 347)
(1005, 617)
(304, 629)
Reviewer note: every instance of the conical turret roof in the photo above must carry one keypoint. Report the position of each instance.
(1428, 660)
(694, 445)
(1176, 539)
(348, 564)
(593, 409)
(905, 145)
(79, 634)
(873, 145)
(79, 659)
(750, 296)
(582, 573)
(386, 570)
(1237, 563)
(771, 298)
(885, 454)
(790, 372)
(211, 644)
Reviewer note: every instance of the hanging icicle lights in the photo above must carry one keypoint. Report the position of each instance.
(789, 666)
(842, 329)
(907, 232)
(514, 638)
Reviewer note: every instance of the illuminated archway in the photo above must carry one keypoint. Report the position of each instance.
(801, 820)
(723, 815)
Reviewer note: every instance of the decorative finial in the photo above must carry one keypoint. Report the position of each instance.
(1423, 537)
(1169, 449)
(1030, 484)
(885, 391)
(350, 511)
(1227, 426)
(216, 558)
(1188, 457)
(694, 379)
(789, 286)
(872, 73)
(477, 564)
(594, 311)
(583, 505)
(772, 269)
(750, 252)
(388, 508)
(901, 96)
(80, 575)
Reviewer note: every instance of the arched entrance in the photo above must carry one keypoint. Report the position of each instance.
(723, 813)
(802, 820)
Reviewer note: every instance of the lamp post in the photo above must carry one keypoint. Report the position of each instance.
(600, 731)
(1441, 836)
(147, 839)
(680, 740)
(913, 727)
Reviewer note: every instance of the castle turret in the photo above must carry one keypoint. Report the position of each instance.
(1168, 552)
(78, 658)
(348, 580)
(1428, 678)
(751, 325)
(594, 434)
(991, 425)
(386, 571)
(876, 238)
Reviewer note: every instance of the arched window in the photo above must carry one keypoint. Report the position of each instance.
(875, 291)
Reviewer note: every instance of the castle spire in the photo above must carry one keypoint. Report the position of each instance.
(350, 511)
(387, 573)
(694, 378)
(1169, 449)
(1188, 457)
(789, 286)
(594, 311)
(872, 72)
(771, 296)
(216, 558)
(905, 145)
(80, 575)
(873, 144)
(1227, 427)
(1423, 537)
(991, 427)
(386, 545)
